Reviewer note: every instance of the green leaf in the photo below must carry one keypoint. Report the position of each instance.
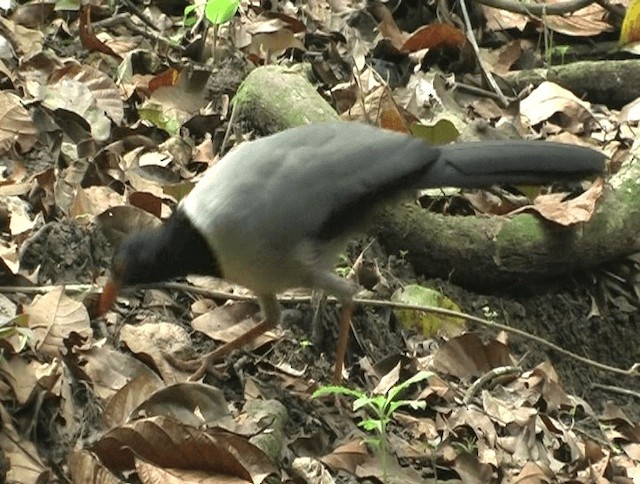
(220, 11)
(189, 18)
(371, 425)
(441, 133)
(376, 443)
(362, 401)
(420, 376)
(427, 323)
(67, 5)
(7, 332)
(414, 404)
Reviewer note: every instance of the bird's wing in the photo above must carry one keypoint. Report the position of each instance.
(273, 195)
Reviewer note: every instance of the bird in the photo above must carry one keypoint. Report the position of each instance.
(274, 213)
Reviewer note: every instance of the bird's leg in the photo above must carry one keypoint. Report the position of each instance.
(343, 290)
(343, 339)
(209, 359)
(271, 310)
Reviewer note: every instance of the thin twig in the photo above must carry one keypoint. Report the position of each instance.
(622, 391)
(537, 9)
(634, 370)
(485, 73)
(487, 377)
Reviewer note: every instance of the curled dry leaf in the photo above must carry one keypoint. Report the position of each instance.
(106, 369)
(166, 443)
(226, 323)
(84, 467)
(53, 318)
(347, 457)
(17, 127)
(549, 99)
(467, 356)
(190, 403)
(572, 211)
(152, 340)
(122, 404)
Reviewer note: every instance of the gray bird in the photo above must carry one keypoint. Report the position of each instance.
(274, 213)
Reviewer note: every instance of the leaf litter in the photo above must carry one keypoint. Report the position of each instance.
(84, 144)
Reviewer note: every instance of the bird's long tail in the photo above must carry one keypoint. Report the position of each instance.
(520, 162)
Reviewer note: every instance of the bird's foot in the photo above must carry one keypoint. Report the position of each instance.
(198, 367)
(207, 363)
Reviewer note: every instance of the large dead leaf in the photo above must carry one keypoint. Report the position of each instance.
(467, 356)
(555, 208)
(53, 318)
(165, 443)
(226, 323)
(550, 99)
(16, 126)
(152, 340)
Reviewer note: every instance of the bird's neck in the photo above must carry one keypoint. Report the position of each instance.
(180, 249)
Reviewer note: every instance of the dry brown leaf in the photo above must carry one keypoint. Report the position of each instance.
(471, 470)
(226, 323)
(532, 474)
(20, 376)
(27, 42)
(149, 473)
(147, 202)
(549, 99)
(387, 381)
(26, 464)
(499, 19)
(136, 391)
(505, 410)
(16, 129)
(93, 85)
(387, 26)
(572, 211)
(586, 22)
(165, 443)
(347, 457)
(191, 403)
(84, 467)
(94, 200)
(124, 220)
(87, 35)
(266, 45)
(467, 356)
(152, 340)
(10, 256)
(53, 318)
(108, 370)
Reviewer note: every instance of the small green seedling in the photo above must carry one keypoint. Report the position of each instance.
(380, 407)
(217, 12)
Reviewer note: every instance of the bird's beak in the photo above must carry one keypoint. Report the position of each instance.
(109, 295)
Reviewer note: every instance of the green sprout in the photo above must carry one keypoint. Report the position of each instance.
(381, 409)
(217, 12)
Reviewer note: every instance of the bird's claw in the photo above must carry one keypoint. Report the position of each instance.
(198, 367)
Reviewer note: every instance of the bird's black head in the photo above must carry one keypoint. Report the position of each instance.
(140, 259)
(174, 249)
